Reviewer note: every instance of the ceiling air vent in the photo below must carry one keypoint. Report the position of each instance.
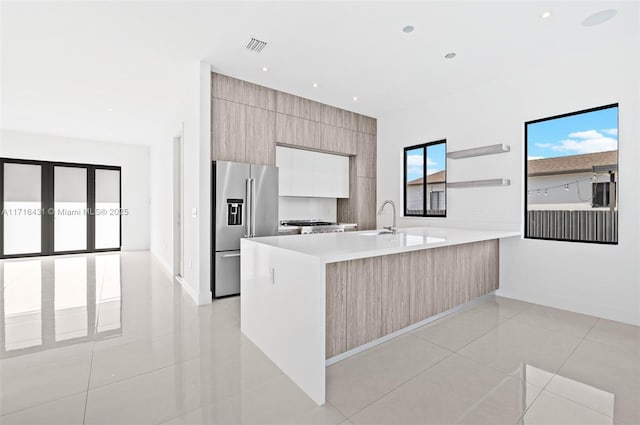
(255, 45)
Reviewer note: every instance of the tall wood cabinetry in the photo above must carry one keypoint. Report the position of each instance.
(248, 121)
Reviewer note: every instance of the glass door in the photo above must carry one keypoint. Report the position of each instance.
(22, 208)
(70, 206)
(53, 208)
(107, 211)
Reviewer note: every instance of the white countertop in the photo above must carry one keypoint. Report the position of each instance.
(282, 228)
(334, 247)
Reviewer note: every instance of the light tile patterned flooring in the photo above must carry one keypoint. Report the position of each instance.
(155, 357)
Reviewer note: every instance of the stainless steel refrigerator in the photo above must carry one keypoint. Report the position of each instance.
(246, 205)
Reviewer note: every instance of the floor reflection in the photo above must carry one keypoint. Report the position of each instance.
(567, 390)
(55, 301)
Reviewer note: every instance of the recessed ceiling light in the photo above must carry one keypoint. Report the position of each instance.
(599, 17)
(450, 55)
(265, 69)
(355, 98)
(109, 109)
(407, 29)
(315, 85)
(545, 15)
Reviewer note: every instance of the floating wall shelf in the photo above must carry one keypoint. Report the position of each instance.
(479, 183)
(483, 150)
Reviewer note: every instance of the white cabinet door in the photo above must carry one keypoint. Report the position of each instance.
(302, 172)
(341, 176)
(314, 174)
(323, 180)
(283, 162)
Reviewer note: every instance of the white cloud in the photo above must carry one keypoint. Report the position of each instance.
(589, 134)
(610, 131)
(596, 144)
(531, 158)
(582, 142)
(415, 164)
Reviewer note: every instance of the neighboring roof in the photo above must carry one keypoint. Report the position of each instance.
(572, 164)
(437, 177)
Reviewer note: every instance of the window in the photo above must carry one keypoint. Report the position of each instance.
(425, 197)
(603, 194)
(571, 171)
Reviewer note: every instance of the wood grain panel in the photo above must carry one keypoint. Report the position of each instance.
(336, 308)
(491, 265)
(366, 124)
(420, 273)
(331, 115)
(260, 135)
(364, 308)
(366, 203)
(396, 292)
(296, 131)
(349, 120)
(366, 155)
(440, 275)
(232, 89)
(228, 126)
(387, 293)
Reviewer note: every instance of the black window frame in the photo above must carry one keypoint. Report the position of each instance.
(47, 188)
(424, 147)
(526, 174)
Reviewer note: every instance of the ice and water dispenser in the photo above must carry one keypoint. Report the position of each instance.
(234, 212)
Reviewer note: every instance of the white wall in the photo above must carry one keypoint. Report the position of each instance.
(161, 220)
(134, 160)
(193, 117)
(593, 279)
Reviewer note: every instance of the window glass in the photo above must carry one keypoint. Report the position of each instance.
(572, 175)
(425, 197)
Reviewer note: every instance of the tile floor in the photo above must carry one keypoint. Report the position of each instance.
(109, 339)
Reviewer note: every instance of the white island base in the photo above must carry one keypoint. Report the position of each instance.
(312, 299)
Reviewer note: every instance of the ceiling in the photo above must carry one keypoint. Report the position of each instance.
(117, 71)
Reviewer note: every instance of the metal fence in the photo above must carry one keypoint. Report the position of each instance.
(429, 212)
(583, 226)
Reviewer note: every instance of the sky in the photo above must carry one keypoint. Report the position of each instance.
(590, 132)
(436, 161)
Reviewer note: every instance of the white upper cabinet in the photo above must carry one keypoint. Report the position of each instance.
(307, 173)
(283, 162)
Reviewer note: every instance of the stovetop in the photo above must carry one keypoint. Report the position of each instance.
(306, 223)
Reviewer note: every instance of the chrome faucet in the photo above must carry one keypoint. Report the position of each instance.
(393, 229)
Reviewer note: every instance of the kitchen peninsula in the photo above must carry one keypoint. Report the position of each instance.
(310, 300)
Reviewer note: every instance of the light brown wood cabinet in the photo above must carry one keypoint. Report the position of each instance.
(372, 297)
(242, 133)
(244, 92)
(260, 145)
(395, 292)
(229, 134)
(366, 203)
(249, 120)
(364, 301)
(295, 131)
(366, 156)
(336, 302)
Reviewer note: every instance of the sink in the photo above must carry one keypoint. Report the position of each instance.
(377, 232)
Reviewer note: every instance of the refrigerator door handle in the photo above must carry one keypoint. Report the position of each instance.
(248, 209)
(253, 212)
